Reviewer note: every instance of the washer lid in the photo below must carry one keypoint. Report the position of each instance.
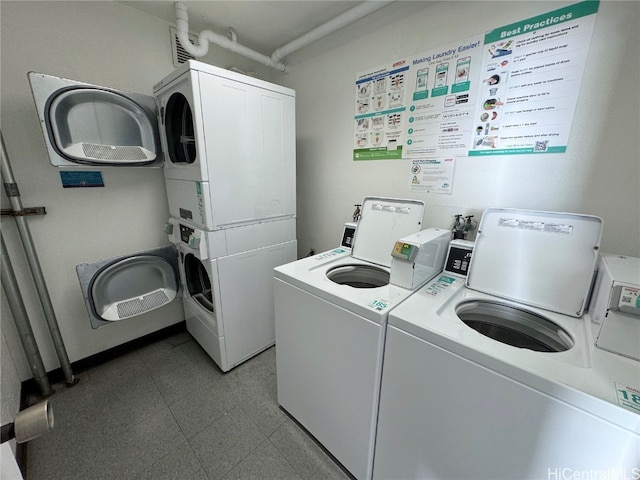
(384, 221)
(542, 259)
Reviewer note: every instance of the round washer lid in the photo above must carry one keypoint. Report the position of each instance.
(542, 259)
(382, 223)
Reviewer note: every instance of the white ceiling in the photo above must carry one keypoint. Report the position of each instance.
(262, 26)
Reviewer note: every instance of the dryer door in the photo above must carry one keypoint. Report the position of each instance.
(121, 288)
(182, 126)
(87, 124)
(198, 283)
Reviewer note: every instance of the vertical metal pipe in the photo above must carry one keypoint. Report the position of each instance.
(21, 319)
(34, 264)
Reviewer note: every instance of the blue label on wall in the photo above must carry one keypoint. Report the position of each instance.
(81, 179)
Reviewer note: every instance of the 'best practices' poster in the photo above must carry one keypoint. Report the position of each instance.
(530, 80)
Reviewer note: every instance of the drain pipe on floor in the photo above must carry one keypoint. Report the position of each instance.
(11, 188)
(21, 319)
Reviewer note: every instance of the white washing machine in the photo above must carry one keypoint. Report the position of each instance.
(228, 288)
(330, 312)
(229, 141)
(497, 377)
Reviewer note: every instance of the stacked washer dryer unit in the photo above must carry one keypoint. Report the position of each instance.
(229, 143)
(331, 313)
(497, 377)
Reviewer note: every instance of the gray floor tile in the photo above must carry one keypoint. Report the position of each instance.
(298, 448)
(166, 411)
(198, 410)
(264, 412)
(330, 471)
(128, 454)
(226, 442)
(180, 464)
(264, 463)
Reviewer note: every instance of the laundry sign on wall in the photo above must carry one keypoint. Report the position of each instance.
(510, 91)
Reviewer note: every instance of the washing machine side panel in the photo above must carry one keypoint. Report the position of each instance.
(462, 420)
(246, 296)
(328, 363)
(250, 141)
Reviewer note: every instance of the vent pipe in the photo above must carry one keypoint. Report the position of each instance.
(206, 36)
(275, 60)
(11, 189)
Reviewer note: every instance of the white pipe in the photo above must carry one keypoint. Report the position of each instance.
(206, 36)
(331, 26)
(275, 60)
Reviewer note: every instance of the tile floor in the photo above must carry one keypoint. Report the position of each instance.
(165, 411)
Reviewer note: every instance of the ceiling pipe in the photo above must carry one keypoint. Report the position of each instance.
(206, 36)
(275, 60)
(331, 26)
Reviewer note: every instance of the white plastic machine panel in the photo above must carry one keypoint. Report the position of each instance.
(384, 221)
(469, 423)
(542, 259)
(251, 150)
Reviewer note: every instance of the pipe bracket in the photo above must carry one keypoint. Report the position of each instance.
(11, 189)
(24, 211)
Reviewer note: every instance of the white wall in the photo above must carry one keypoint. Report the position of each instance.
(599, 174)
(104, 43)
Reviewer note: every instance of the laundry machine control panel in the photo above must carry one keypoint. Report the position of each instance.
(615, 306)
(186, 234)
(459, 257)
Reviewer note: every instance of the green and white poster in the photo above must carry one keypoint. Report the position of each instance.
(531, 74)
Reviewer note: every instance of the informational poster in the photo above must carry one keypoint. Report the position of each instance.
(433, 175)
(380, 112)
(441, 100)
(419, 106)
(512, 91)
(531, 75)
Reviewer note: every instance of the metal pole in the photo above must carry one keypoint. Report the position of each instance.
(21, 319)
(11, 189)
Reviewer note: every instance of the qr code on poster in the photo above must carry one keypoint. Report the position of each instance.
(541, 146)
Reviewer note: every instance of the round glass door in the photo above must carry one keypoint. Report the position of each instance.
(179, 131)
(198, 282)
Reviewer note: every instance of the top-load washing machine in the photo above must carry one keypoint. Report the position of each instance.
(330, 313)
(497, 377)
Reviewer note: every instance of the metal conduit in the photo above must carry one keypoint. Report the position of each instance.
(11, 189)
(21, 319)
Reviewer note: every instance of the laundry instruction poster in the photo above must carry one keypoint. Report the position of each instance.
(380, 112)
(531, 73)
(441, 100)
(419, 106)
